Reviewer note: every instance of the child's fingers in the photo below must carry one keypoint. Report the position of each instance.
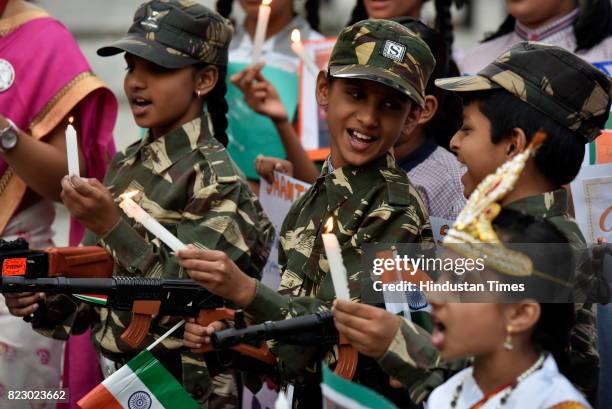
(83, 187)
(216, 326)
(350, 320)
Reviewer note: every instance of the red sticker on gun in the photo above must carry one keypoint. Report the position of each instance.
(14, 267)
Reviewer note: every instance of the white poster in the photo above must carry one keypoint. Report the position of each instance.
(276, 200)
(592, 195)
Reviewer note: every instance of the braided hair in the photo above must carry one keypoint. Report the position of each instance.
(359, 13)
(224, 7)
(593, 25)
(217, 107)
(312, 13)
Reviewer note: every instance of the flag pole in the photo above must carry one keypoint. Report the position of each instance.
(166, 335)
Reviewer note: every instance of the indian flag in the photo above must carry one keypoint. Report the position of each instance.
(92, 299)
(339, 393)
(143, 383)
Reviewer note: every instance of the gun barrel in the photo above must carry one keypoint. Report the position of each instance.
(15, 284)
(302, 330)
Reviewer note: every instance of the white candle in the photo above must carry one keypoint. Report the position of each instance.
(137, 213)
(298, 49)
(263, 16)
(336, 265)
(72, 150)
(281, 401)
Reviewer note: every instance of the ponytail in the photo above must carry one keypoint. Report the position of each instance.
(359, 13)
(224, 7)
(312, 13)
(217, 107)
(506, 27)
(594, 23)
(552, 333)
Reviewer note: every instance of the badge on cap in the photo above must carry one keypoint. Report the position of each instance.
(394, 51)
(7, 75)
(152, 20)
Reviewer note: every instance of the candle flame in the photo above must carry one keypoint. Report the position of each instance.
(329, 225)
(266, 2)
(128, 195)
(71, 120)
(295, 36)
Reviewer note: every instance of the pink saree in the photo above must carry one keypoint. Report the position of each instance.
(52, 79)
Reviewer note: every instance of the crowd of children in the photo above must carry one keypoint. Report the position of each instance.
(491, 153)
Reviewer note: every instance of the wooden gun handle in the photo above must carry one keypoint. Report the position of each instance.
(347, 359)
(91, 261)
(207, 317)
(142, 314)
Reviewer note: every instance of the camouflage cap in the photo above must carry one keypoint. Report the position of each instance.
(554, 81)
(386, 52)
(175, 34)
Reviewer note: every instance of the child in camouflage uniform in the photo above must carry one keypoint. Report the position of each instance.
(530, 87)
(176, 54)
(373, 90)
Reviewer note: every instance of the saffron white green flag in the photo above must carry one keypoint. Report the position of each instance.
(142, 383)
(339, 393)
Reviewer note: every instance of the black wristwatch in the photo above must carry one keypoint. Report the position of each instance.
(8, 137)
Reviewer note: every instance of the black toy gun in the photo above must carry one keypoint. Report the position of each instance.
(145, 297)
(312, 329)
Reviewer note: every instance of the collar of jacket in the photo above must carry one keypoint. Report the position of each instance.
(347, 180)
(168, 149)
(549, 204)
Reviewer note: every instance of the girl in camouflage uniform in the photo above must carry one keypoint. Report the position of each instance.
(176, 54)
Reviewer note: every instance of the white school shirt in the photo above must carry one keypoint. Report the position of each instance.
(559, 33)
(543, 389)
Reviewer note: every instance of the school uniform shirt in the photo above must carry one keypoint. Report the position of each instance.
(374, 203)
(559, 33)
(546, 388)
(436, 175)
(411, 355)
(187, 182)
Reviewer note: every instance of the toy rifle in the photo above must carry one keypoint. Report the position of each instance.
(145, 297)
(312, 329)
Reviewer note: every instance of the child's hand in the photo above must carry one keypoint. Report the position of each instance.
(259, 94)
(23, 304)
(91, 203)
(216, 272)
(197, 335)
(369, 329)
(266, 165)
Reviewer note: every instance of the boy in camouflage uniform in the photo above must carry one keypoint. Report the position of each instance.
(530, 87)
(373, 90)
(176, 52)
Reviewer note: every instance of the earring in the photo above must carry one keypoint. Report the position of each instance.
(508, 342)
(198, 93)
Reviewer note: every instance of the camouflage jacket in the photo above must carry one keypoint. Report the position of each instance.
(187, 182)
(412, 358)
(370, 204)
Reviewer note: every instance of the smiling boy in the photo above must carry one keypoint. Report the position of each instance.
(373, 91)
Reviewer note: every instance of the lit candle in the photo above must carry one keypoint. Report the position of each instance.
(336, 265)
(263, 16)
(72, 150)
(298, 49)
(137, 213)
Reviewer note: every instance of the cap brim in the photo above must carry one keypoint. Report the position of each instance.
(379, 75)
(149, 50)
(466, 83)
